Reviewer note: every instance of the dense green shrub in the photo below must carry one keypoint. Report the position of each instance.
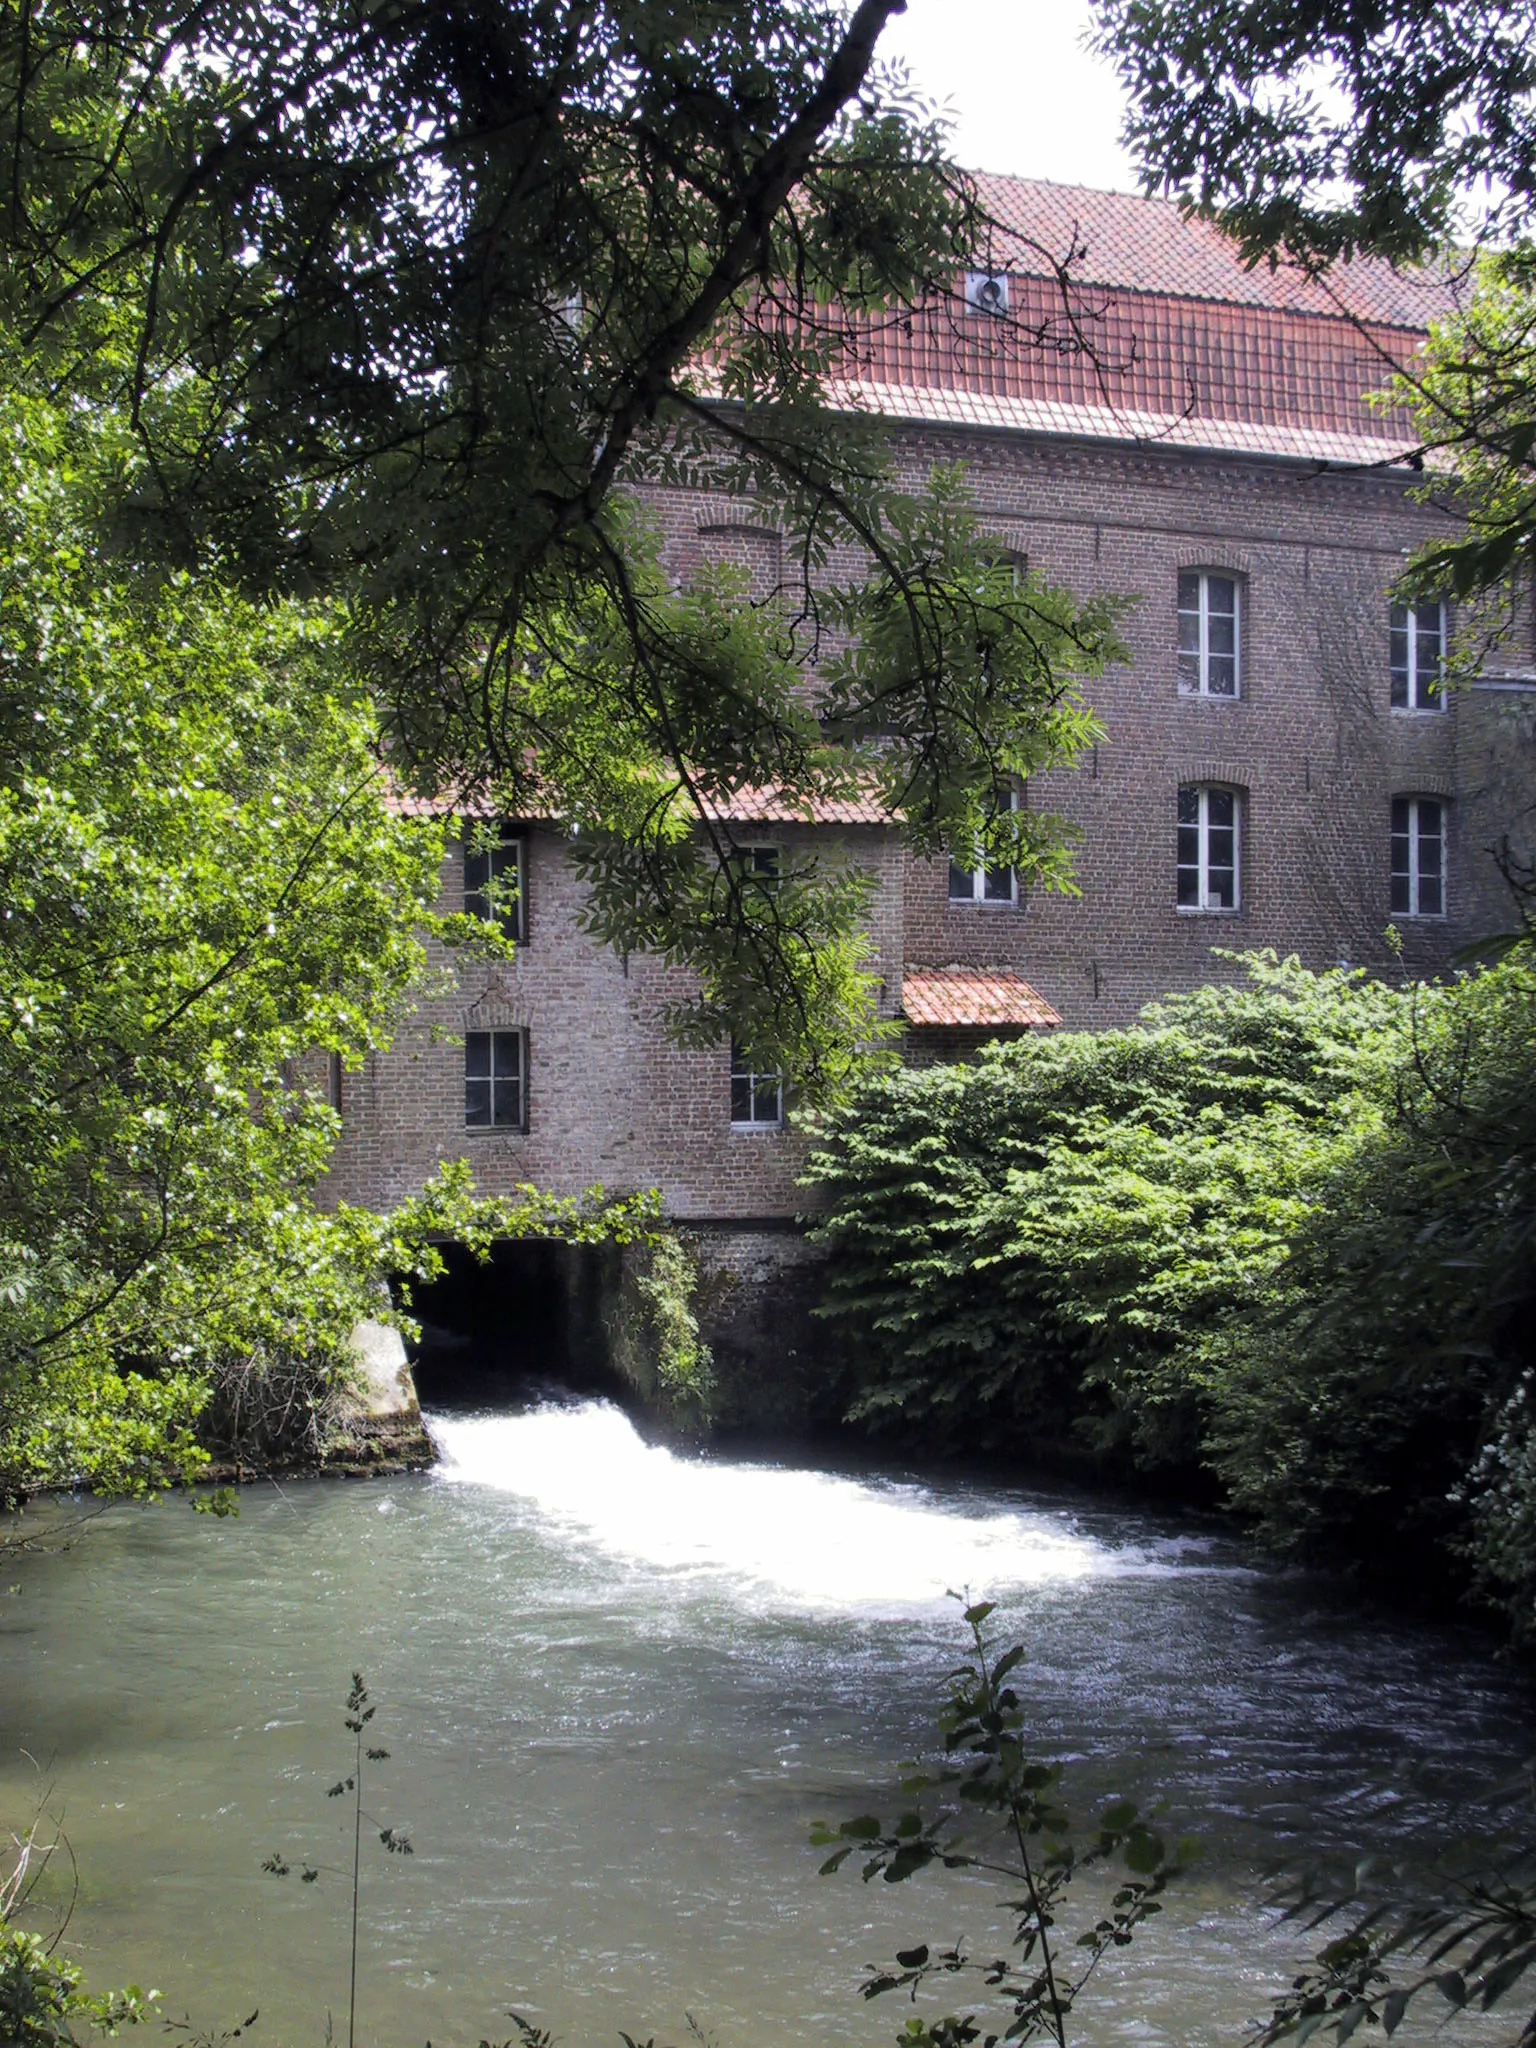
(1278, 1234)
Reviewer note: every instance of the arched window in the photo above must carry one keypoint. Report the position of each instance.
(1208, 862)
(1210, 623)
(1418, 856)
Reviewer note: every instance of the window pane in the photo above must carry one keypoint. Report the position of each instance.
(1223, 805)
(477, 868)
(962, 885)
(477, 1052)
(508, 1052)
(1400, 815)
(1400, 893)
(1222, 675)
(1189, 590)
(1221, 598)
(997, 885)
(1429, 821)
(477, 1099)
(1189, 807)
(1427, 651)
(1221, 635)
(1399, 656)
(1189, 887)
(509, 1103)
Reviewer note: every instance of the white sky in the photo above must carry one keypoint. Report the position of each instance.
(1025, 95)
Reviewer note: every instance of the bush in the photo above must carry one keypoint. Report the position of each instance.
(1277, 1236)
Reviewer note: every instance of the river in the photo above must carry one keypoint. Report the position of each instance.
(617, 1684)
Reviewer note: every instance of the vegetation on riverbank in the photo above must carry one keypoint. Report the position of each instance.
(209, 901)
(1276, 1240)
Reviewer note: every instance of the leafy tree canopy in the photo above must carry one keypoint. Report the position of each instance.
(403, 301)
(1402, 129)
(204, 888)
(1330, 128)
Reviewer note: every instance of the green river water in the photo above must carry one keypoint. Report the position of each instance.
(618, 1684)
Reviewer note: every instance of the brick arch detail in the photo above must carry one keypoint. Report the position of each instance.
(1441, 786)
(1235, 774)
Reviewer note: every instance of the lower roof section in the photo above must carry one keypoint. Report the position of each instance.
(976, 996)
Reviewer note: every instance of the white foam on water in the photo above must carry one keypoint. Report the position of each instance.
(809, 1539)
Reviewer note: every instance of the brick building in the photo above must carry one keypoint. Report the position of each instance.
(1278, 769)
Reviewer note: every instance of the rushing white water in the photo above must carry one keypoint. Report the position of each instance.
(782, 1536)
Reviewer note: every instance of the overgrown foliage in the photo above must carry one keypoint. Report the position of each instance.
(1463, 1937)
(207, 896)
(403, 302)
(1324, 129)
(1027, 1843)
(1279, 1235)
(654, 1332)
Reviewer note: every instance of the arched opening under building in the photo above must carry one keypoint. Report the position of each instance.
(528, 1318)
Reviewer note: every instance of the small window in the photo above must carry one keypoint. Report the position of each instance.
(495, 1080)
(757, 1100)
(1418, 857)
(1208, 633)
(495, 881)
(759, 864)
(985, 885)
(986, 291)
(1208, 835)
(1418, 656)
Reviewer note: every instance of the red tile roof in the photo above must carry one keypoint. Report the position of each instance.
(1130, 243)
(972, 995)
(768, 805)
(1161, 334)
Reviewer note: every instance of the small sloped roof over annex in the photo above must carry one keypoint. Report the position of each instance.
(973, 996)
(758, 804)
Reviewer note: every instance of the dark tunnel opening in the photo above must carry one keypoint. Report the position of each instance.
(529, 1319)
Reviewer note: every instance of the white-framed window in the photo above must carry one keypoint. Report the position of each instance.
(1210, 633)
(1418, 856)
(757, 1100)
(496, 1080)
(998, 886)
(1418, 657)
(495, 879)
(1208, 847)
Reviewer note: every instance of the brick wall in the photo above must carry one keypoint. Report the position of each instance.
(1312, 744)
(611, 1100)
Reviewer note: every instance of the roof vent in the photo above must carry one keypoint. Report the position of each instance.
(986, 291)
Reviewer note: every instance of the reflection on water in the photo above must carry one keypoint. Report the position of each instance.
(617, 1684)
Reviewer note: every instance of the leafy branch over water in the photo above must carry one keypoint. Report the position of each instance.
(1029, 1846)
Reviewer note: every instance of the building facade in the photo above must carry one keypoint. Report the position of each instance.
(1279, 767)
